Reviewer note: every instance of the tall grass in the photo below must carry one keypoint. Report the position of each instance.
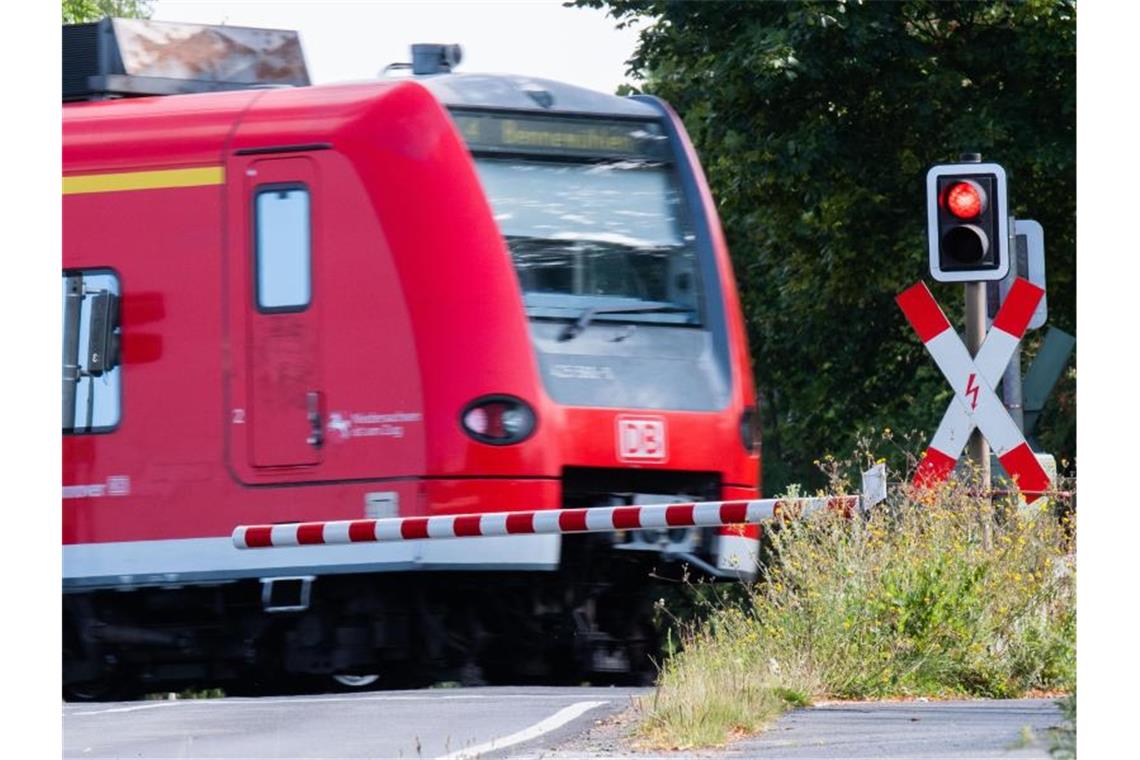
(932, 594)
(1064, 744)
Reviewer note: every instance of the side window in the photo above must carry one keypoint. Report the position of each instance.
(282, 244)
(92, 377)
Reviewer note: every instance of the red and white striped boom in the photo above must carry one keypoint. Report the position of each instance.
(589, 520)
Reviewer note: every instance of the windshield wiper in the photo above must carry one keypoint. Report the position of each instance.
(573, 329)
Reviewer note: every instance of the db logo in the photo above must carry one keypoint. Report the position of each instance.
(641, 439)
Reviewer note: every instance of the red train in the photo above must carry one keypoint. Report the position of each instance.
(443, 293)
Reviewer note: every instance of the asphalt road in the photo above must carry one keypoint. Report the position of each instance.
(535, 723)
(430, 723)
(966, 730)
(1009, 728)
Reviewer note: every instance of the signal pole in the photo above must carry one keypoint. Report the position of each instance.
(1011, 381)
(978, 448)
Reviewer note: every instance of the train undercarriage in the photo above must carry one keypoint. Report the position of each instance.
(590, 620)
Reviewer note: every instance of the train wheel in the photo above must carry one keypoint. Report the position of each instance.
(87, 678)
(106, 689)
(355, 682)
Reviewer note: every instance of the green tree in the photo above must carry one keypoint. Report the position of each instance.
(816, 123)
(80, 11)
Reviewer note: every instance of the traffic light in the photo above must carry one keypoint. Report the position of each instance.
(968, 222)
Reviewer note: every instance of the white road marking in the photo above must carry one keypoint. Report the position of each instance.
(264, 701)
(122, 709)
(557, 720)
(311, 700)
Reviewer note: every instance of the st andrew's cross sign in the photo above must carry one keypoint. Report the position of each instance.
(973, 378)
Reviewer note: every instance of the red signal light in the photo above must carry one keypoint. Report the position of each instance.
(966, 221)
(965, 200)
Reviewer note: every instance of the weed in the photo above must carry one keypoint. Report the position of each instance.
(935, 593)
(188, 693)
(1064, 743)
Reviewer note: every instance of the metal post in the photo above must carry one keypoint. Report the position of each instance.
(1011, 389)
(979, 448)
(1011, 392)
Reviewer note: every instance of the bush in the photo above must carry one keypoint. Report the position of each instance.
(932, 594)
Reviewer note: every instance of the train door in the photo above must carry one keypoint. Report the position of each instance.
(276, 389)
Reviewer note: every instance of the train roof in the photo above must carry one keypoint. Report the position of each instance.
(185, 93)
(522, 93)
(197, 128)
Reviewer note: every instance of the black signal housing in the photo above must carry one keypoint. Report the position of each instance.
(967, 222)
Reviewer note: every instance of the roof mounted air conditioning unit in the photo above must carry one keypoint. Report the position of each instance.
(117, 57)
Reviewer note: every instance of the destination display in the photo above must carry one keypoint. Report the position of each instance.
(512, 133)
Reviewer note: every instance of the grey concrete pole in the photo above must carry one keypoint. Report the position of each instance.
(1011, 379)
(979, 448)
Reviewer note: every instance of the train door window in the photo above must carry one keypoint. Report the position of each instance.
(283, 245)
(92, 376)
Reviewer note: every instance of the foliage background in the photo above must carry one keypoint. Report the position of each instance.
(79, 11)
(816, 123)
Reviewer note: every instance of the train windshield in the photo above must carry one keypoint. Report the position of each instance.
(593, 214)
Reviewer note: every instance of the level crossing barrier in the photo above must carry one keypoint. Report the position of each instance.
(530, 522)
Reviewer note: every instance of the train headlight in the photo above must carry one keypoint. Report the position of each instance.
(498, 420)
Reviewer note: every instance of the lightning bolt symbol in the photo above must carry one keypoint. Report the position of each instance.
(972, 390)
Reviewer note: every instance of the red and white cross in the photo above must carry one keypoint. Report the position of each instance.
(973, 378)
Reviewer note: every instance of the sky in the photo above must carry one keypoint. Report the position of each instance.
(345, 41)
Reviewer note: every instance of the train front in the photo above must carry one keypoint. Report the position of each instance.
(632, 308)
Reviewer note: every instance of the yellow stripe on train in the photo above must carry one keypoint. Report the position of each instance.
(149, 180)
